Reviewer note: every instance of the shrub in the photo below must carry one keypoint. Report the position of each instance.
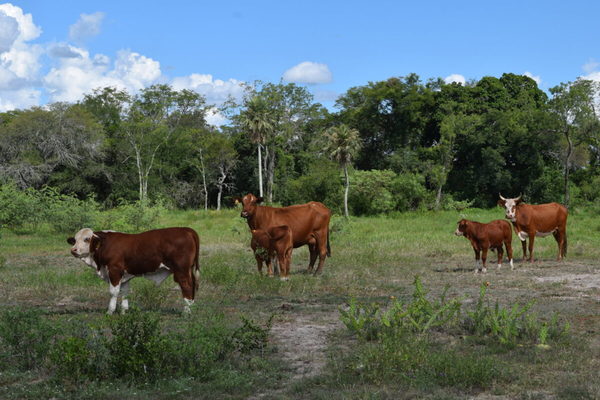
(132, 217)
(251, 336)
(20, 210)
(136, 346)
(25, 338)
(321, 183)
(409, 191)
(67, 213)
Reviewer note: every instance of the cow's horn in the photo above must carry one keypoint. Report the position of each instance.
(519, 198)
(501, 198)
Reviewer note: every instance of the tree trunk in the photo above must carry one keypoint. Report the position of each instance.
(260, 181)
(567, 161)
(270, 174)
(204, 187)
(346, 189)
(220, 184)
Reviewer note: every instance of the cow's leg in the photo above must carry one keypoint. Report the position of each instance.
(477, 256)
(509, 253)
(483, 258)
(187, 289)
(531, 240)
(312, 248)
(269, 262)
(500, 255)
(322, 247)
(124, 294)
(561, 242)
(284, 268)
(114, 287)
(259, 264)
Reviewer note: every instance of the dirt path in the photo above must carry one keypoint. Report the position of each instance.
(301, 337)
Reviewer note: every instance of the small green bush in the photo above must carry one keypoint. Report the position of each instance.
(66, 213)
(132, 217)
(136, 346)
(25, 338)
(251, 336)
(20, 210)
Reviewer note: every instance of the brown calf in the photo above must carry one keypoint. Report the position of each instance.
(487, 236)
(268, 243)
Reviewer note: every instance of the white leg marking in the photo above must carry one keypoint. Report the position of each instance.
(124, 294)
(484, 270)
(499, 266)
(114, 294)
(511, 265)
(188, 304)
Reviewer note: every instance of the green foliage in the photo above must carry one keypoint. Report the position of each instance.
(136, 346)
(65, 213)
(420, 315)
(321, 183)
(508, 326)
(25, 338)
(20, 210)
(414, 361)
(148, 295)
(132, 217)
(251, 336)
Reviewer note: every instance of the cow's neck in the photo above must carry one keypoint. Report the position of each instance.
(252, 221)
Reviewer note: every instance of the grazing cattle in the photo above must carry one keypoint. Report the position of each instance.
(309, 224)
(119, 257)
(487, 236)
(268, 243)
(530, 221)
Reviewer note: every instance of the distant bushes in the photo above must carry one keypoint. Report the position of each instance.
(24, 211)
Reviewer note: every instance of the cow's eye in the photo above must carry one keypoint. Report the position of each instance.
(86, 240)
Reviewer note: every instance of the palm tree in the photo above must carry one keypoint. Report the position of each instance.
(342, 145)
(257, 120)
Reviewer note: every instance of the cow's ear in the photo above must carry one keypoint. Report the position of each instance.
(71, 241)
(501, 203)
(95, 242)
(259, 200)
(518, 201)
(237, 200)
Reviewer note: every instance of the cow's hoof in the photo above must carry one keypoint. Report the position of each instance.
(284, 278)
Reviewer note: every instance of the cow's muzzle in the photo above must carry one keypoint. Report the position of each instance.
(244, 214)
(75, 253)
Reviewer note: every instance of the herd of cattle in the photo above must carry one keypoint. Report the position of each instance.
(118, 257)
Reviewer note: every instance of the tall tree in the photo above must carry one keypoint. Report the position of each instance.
(343, 143)
(258, 122)
(573, 105)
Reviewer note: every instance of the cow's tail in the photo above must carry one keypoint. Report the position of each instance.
(565, 246)
(196, 266)
(328, 247)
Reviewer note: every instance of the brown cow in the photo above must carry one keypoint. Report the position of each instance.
(487, 236)
(309, 224)
(541, 220)
(268, 243)
(120, 257)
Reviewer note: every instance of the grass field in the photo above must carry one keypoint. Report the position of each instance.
(310, 354)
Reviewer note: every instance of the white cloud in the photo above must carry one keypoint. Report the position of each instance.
(87, 26)
(308, 72)
(215, 90)
(75, 77)
(455, 78)
(63, 50)
(9, 31)
(591, 66)
(216, 118)
(536, 78)
(19, 61)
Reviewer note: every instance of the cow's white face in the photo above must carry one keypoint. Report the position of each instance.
(81, 243)
(510, 207)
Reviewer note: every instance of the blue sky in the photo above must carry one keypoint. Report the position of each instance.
(58, 50)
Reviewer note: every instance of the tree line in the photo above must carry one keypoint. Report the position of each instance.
(392, 145)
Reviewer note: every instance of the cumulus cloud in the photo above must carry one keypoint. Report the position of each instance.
(75, 77)
(536, 78)
(455, 78)
(65, 51)
(86, 27)
(215, 90)
(19, 61)
(308, 72)
(591, 66)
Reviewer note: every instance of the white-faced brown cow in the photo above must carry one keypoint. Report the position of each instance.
(487, 236)
(309, 224)
(118, 257)
(530, 221)
(276, 241)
